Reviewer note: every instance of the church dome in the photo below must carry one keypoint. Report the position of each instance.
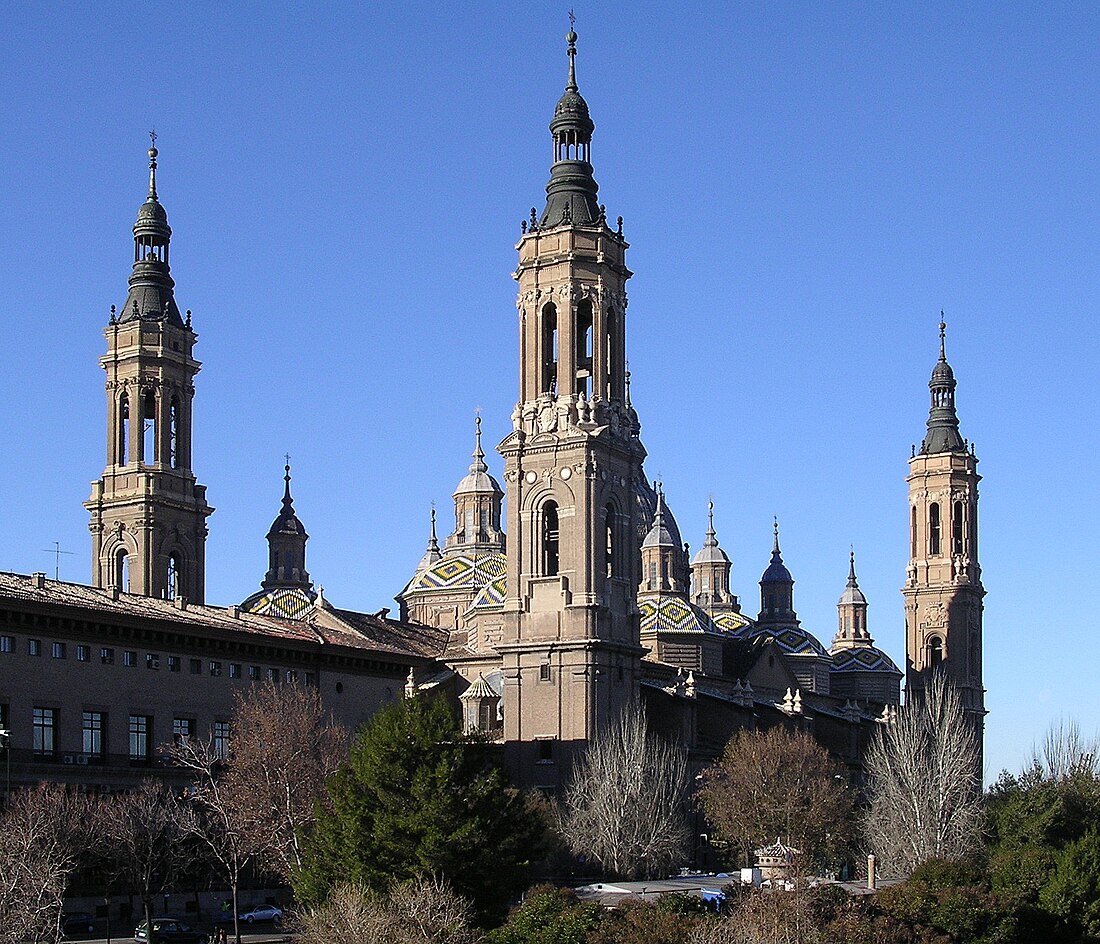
(151, 211)
(863, 659)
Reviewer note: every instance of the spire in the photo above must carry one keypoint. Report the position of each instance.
(710, 552)
(777, 587)
(152, 166)
(711, 540)
(432, 554)
(571, 192)
(478, 465)
(288, 501)
(852, 570)
(943, 422)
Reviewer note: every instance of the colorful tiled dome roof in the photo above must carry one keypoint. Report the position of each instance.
(458, 571)
(863, 659)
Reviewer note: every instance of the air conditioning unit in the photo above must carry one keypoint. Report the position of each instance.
(68, 759)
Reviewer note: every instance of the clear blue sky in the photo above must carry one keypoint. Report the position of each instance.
(804, 187)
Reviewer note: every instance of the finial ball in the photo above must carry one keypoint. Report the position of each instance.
(571, 37)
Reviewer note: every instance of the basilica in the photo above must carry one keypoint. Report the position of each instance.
(558, 600)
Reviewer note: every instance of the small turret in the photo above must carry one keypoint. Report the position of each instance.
(664, 561)
(710, 573)
(777, 589)
(477, 501)
(852, 613)
(943, 422)
(286, 541)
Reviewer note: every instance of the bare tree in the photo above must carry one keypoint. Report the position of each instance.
(625, 804)
(284, 747)
(43, 833)
(225, 822)
(778, 783)
(1065, 754)
(924, 783)
(145, 833)
(419, 911)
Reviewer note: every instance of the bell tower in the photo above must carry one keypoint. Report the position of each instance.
(578, 502)
(943, 588)
(148, 515)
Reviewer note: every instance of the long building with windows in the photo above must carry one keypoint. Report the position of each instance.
(560, 599)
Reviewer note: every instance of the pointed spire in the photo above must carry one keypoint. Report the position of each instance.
(711, 539)
(288, 501)
(776, 556)
(852, 569)
(153, 165)
(478, 465)
(943, 334)
(432, 553)
(286, 542)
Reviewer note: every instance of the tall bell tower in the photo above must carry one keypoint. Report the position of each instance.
(943, 589)
(148, 515)
(578, 501)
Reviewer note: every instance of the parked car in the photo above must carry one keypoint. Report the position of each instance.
(168, 930)
(262, 913)
(77, 922)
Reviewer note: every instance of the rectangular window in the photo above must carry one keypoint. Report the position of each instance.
(107, 656)
(291, 676)
(196, 666)
(83, 653)
(152, 660)
(183, 729)
(234, 670)
(92, 728)
(254, 673)
(544, 672)
(221, 739)
(5, 738)
(173, 663)
(215, 669)
(272, 675)
(546, 751)
(140, 731)
(57, 650)
(129, 657)
(34, 647)
(311, 678)
(44, 731)
(7, 643)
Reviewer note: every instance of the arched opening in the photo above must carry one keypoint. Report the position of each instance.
(957, 528)
(174, 433)
(123, 429)
(550, 539)
(149, 427)
(611, 361)
(913, 531)
(934, 529)
(583, 343)
(549, 348)
(122, 570)
(609, 541)
(935, 652)
(174, 582)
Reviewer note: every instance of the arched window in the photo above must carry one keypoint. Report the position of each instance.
(122, 570)
(957, 528)
(549, 348)
(550, 539)
(175, 577)
(583, 342)
(934, 529)
(609, 541)
(935, 652)
(612, 365)
(149, 427)
(123, 429)
(174, 433)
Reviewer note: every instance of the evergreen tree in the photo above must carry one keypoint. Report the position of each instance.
(419, 798)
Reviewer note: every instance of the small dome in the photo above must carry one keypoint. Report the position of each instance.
(942, 375)
(664, 532)
(777, 571)
(151, 211)
(478, 479)
(572, 106)
(852, 594)
(710, 552)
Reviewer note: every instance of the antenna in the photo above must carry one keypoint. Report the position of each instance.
(57, 552)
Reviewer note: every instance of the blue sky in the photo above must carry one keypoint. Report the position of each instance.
(804, 187)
